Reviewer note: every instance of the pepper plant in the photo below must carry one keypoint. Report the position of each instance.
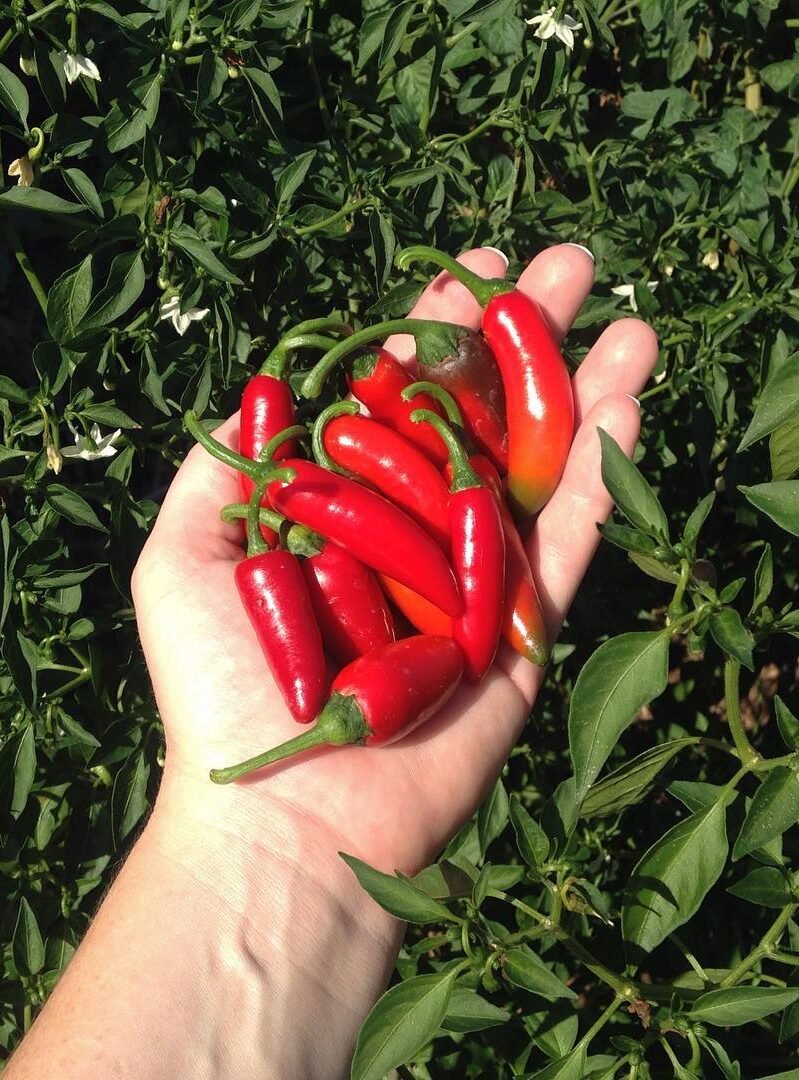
(184, 181)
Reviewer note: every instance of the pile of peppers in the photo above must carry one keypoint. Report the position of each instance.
(385, 536)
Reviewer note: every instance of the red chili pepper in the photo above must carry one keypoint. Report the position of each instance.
(472, 377)
(523, 625)
(375, 700)
(478, 554)
(378, 377)
(267, 403)
(274, 594)
(420, 613)
(373, 453)
(351, 610)
(370, 527)
(536, 380)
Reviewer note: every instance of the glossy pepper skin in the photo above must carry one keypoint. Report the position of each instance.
(420, 613)
(389, 463)
(472, 377)
(478, 556)
(375, 700)
(274, 594)
(539, 395)
(350, 607)
(538, 391)
(267, 407)
(377, 379)
(370, 527)
(523, 625)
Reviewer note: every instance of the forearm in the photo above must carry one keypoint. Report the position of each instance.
(215, 955)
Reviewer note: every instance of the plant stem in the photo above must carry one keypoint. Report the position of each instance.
(769, 939)
(348, 208)
(732, 674)
(588, 158)
(784, 958)
(25, 264)
(594, 1030)
(40, 14)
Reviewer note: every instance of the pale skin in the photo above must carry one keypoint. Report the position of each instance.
(235, 942)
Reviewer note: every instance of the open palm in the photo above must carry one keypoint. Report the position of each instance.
(394, 807)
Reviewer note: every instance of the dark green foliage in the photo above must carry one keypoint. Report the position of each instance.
(258, 163)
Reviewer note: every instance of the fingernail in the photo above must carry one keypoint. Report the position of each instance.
(501, 254)
(635, 399)
(582, 247)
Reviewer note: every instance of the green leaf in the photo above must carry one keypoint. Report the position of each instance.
(764, 579)
(631, 492)
(400, 1024)
(492, 816)
(21, 656)
(628, 539)
(779, 402)
(697, 519)
(17, 771)
(467, 1011)
(292, 177)
(730, 634)
(267, 96)
(28, 947)
(571, 1067)
(765, 885)
(531, 840)
(83, 187)
(72, 506)
(69, 299)
(673, 877)
(396, 895)
(72, 727)
(784, 450)
(622, 676)
(130, 119)
(248, 249)
(396, 30)
(199, 251)
(211, 78)
(129, 797)
(125, 284)
(628, 784)
(779, 500)
(774, 809)
(736, 1005)
(787, 723)
(681, 59)
(38, 200)
(13, 95)
(525, 969)
(384, 244)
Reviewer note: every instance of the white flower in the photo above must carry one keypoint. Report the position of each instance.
(170, 309)
(548, 26)
(76, 65)
(711, 259)
(27, 65)
(96, 446)
(22, 168)
(629, 292)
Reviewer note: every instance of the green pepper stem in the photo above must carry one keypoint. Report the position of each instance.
(296, 431)
(300, 540)
(482, 289)
(255, 470)
(340, 723)
(256, 545)
(305, 336)
(463, 475)
(338, 408)
(445, 399)
(436, 338)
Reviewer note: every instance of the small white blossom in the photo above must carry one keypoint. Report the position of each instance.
(27, 65)
(22, 168)
(76, 65)
(629, 292)
(181, 320)
(54, 459)
(711, 259)
(547, 26)
(96, 446)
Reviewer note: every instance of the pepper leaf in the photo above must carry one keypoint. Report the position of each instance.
(631, 492)
(736, 1005)
(774, 809)
(397, 896)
